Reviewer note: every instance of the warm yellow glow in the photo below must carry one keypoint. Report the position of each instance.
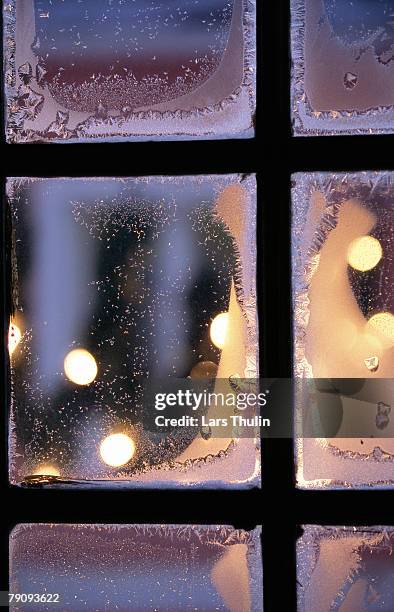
(204, 369)
(117, 449)
(14, 337)
(368, 344)
(46, 470)
(219, 329)
(364, 253)
(80, 367)
(383, 323)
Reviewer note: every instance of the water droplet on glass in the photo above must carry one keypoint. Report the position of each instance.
(206, 432)
(350, 80)
(372, 363)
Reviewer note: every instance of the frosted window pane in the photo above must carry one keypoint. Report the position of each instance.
(350, 569)
(343, 67)
(138, 567)
(343, 265)
(116, 282)
(128, 70)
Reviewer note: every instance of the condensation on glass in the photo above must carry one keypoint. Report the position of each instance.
(343, 300)
(343, 67)
(350, 569)
(86, 70)
(116, 282)
(138, 567)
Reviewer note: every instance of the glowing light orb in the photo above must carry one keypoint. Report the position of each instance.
(80, 367)
(383, 323)
(117, 449)
(204, 369)
(364, 253)
(219, 329)
(14, 337)
(46, 470)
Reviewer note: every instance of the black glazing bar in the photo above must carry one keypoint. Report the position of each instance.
(275, 144)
